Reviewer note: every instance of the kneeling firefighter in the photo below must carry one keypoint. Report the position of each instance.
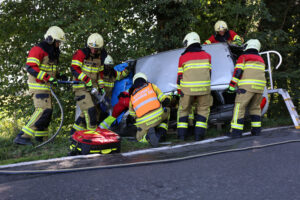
(248, 82)
(41, 66)
(87, 63)
(193, 84)
(146, 109)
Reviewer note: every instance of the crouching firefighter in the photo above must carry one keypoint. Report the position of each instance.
(41, 66)
(146, 109)
(193, 84)
(87, 63)
(248, 82)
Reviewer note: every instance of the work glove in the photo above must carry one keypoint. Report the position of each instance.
(89, 85)
(166, 102)
(180, 93)
(130, 120)
(231, 89)
(52, 81)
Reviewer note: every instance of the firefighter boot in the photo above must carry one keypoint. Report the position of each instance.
(182, 127)
(23, 139)
(161, 134)
(152, 137)
(256, 125)
(200, 127)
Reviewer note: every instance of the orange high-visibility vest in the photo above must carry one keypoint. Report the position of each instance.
(144, 100)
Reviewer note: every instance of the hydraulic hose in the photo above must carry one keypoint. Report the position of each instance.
(61, 121)
(9, 172)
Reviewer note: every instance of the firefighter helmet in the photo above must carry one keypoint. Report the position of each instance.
(55, 33)
(95, 41)
(221, 26)
(191, 38)
(139, 75)
(108, 60)
(253, 44)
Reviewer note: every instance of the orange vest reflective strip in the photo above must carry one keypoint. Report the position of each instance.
(144, 101)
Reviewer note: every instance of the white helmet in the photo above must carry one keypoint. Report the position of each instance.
(139, 75)
(220, 26)
(95, 41)
(108, 60)
(253, 44)
(191, 38)
(55, 33)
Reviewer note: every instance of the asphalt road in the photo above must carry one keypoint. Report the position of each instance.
(269, 173)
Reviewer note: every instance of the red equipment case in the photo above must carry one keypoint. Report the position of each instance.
(101, 141)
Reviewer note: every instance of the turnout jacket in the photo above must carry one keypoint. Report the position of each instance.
(41, 64)
(194, 68)
(145, 103)
(249, 72)
(86, 67)
(230, 36)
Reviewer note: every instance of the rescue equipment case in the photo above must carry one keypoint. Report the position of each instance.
(101, 141)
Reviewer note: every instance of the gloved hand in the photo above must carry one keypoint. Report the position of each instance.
(166, 102)
(130, 120)
(231, 89)
(89, 85)
(180, 93)
(52, 81)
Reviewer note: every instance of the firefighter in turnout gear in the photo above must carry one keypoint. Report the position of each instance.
(109, 75)
(87, 64)
(41, 66)
(146, 109)
(248, 82)
(193, 84)
(224, 35)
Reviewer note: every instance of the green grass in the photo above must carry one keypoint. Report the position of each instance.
(11, 153)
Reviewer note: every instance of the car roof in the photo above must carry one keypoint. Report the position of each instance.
(161, 68)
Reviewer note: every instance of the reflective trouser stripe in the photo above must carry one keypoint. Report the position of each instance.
(163, 125)
(28, 131)
(104, 125)
(237, 126)
(143, 140)
(34, 116)
(256, 124)
(78, 128)
(201, 124)
(40, 133)
(182, 125)
(87, 119)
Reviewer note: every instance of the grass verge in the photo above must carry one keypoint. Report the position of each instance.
(11, 153)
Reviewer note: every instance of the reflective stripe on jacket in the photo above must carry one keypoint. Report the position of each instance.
(144, 100)
(195, 68)
(253, 76)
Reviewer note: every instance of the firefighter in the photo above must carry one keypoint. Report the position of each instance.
(41, 66)
(87, 64)
(146, 109)
(193, 82)
(109, 75)
(248, 82)
(224, 35)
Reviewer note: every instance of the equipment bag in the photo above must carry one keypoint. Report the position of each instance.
(101, 141)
